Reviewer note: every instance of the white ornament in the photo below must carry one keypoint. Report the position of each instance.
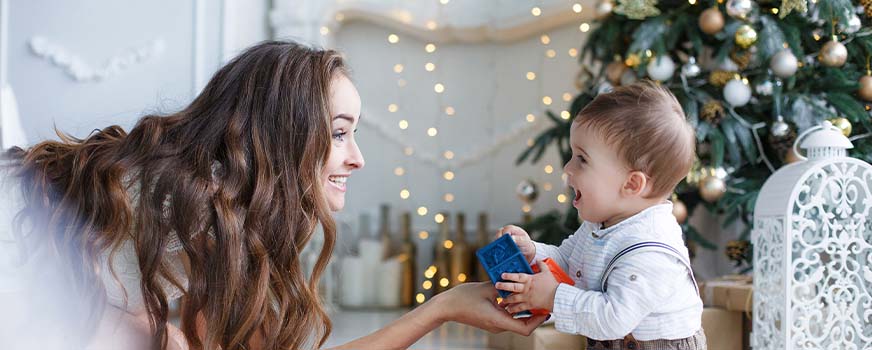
(737, 93)
(604, 87)
(812, 250)
(728, 65)
(854, 24)
(661, 68)
(784, 63)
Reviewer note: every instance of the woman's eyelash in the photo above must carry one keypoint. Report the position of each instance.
(339, 135)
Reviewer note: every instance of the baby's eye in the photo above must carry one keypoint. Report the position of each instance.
(582, 160)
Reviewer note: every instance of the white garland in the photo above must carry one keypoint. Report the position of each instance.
(436, 160)
(81, 71)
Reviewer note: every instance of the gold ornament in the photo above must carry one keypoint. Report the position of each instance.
(711, 21)
(737, 251)
(632, 60)
(614, 71)
(712, 112)
(842, 124)
(742, 58)
(720, 78)
(833, 54)
(865, 91)
(679, 210)
(637, 9)
(745, 36)
(712, 188)
(787, 6)
(867, 7)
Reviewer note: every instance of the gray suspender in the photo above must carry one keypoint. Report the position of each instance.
(647, 246)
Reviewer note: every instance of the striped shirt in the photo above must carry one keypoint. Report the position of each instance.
(649, 294)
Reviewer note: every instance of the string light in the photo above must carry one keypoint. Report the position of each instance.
(550, 53)
(409, 151)
(565, 115)
(430, 272)
(393, 39)
(546, 100)
(547, 186)
(432, 132)
(549, 169)
(449, 110)
(448, 175)
(545, 39)
(692, 2)
(531, 75)
(404, 194)
(461, 277)
(439, 88)
(529, 142)
(398, 68)
(573, 52)
(399, 171)
(448, 197)
(427, 285)
(401, 82)
(393, 107)
(774, 10)
(536, 11)
(443, 282)
(420, 298)
(325, 30)
(448, 155)
(439, 218)
(339, 17)
(526, 208)
(448, 244)
(567, 96)
(429, 66)
(584, 27)
(531, 118)
(422, 211)
(430, 48)
(577, 7)
(444, 2)
(431, 25)
(423, 235)
(404, 124)
(561, 198)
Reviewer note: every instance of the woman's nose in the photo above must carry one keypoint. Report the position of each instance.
(355, 157)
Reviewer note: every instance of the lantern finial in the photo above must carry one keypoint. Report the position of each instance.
(823, 141)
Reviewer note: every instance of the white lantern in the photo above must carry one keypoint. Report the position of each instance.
(813, 250)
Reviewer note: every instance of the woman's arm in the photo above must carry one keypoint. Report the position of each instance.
(470, 303)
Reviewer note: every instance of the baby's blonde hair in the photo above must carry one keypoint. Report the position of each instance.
(645, 124)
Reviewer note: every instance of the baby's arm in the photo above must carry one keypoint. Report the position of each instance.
(637, 286)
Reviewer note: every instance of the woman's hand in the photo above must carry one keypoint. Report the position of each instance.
(475, 304)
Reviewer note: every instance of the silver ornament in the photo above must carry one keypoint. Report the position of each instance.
(784, 63)
(604, 88)
(764, 88)
(853, 25)
(628, 77)
(739, 8)
(690, 69)
(661, 68)
(779, 128)
(527, 191)
(737, 93)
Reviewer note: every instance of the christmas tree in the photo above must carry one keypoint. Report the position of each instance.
(753, 76)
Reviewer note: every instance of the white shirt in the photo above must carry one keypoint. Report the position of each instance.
(649, 294)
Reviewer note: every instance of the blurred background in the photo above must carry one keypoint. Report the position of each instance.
(453, 92)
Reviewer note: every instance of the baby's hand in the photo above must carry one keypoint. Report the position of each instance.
(529, 291)
(522, 239)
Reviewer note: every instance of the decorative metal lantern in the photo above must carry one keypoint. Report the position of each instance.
(813, 250)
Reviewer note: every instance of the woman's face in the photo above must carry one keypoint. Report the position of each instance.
(345, 156)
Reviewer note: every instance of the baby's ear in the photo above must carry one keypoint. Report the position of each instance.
(636, 184)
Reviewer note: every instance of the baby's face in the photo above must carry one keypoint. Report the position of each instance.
(596, 174)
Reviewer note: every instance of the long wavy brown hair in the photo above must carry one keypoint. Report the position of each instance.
(235, 175)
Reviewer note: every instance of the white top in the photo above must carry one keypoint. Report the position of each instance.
(649, 294)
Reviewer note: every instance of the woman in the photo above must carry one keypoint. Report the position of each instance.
(215, 203)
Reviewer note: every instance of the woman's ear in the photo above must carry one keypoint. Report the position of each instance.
(636, 184)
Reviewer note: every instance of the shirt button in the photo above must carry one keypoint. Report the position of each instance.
(632, 277)
(578, 274)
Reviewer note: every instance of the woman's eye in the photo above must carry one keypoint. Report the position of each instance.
(340, 136)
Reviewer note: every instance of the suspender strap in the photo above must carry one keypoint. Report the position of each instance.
(647, 246)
